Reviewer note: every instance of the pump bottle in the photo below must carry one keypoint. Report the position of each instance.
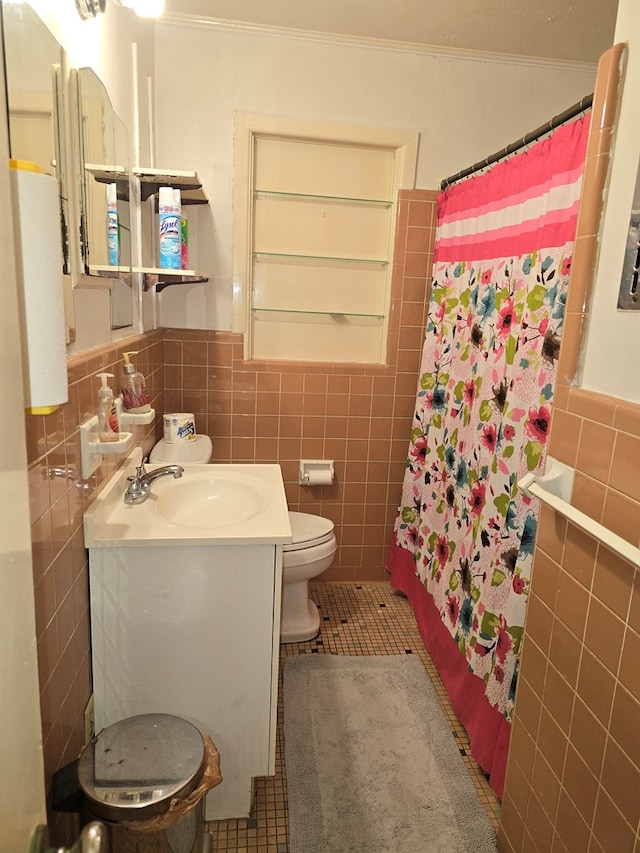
(108, 425)
(134, 390)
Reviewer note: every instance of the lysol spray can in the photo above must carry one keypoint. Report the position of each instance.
(170, 229)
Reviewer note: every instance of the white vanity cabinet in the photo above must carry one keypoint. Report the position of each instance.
(193, 631)
(185, 594)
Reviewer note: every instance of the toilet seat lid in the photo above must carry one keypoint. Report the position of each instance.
(183, 452)
(308, 530)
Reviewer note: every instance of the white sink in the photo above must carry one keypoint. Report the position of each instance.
(210, 499)
(226, 503)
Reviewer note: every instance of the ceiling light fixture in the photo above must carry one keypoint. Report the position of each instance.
(90, 8)
(144, 8)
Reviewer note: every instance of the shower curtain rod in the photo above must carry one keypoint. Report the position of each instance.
(582, 106)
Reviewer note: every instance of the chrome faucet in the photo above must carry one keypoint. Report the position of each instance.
(139, 485)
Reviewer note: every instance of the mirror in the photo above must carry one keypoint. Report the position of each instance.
(34, 62)
(105, 231)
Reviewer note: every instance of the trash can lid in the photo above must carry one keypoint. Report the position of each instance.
(133, 769)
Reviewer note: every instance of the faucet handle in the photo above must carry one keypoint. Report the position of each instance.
(141, 471)
(134, 489)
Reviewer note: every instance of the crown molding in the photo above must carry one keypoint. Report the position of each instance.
(247, 28)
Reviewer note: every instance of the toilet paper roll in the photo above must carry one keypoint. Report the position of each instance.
(179, 427)
(320, 477)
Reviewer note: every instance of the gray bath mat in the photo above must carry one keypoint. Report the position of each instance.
(372, 766)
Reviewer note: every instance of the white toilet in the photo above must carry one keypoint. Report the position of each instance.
(198, 452)
(310, 553)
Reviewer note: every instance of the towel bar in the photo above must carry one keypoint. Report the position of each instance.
(626, 550)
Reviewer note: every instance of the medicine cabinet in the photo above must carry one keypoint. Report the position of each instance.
(102, 151)
(321, 223)
(35, 65)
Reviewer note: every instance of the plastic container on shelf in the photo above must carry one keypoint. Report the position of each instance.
(184, 233)
(113, 226)
(170, 237)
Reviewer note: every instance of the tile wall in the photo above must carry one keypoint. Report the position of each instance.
(574, 765)
(359, 416)
(58, 498)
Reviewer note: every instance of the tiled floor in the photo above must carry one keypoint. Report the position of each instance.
(357, 619)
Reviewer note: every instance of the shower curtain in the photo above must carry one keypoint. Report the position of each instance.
(464, 534)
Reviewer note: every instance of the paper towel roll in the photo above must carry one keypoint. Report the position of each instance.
(179, 427)
(39, 257)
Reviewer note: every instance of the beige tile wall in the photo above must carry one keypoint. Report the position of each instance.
(254, 411)
(58, 498)
(574, 765)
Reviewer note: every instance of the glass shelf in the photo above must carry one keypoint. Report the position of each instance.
(318, 313)
(313, 197)
(268, 255)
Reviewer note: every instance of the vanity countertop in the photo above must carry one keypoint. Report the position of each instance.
(212, 504)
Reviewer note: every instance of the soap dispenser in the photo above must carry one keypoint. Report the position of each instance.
(108, 425)
(134, 390)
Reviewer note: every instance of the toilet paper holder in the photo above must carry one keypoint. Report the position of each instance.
(316, 472)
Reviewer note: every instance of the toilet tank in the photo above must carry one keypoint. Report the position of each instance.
(196, 451)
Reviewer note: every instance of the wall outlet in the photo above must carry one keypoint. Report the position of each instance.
(89, 721)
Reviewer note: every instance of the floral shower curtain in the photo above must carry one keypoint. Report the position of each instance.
(502, 258)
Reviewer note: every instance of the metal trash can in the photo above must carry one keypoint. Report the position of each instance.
(146, 777)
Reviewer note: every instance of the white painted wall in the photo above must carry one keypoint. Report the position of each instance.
(613, 348)
(464, 109)
(104, 44)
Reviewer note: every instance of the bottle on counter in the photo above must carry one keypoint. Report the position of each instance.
(108, 422)
(134, 390)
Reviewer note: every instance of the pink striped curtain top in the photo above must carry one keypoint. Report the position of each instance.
(522, 204)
